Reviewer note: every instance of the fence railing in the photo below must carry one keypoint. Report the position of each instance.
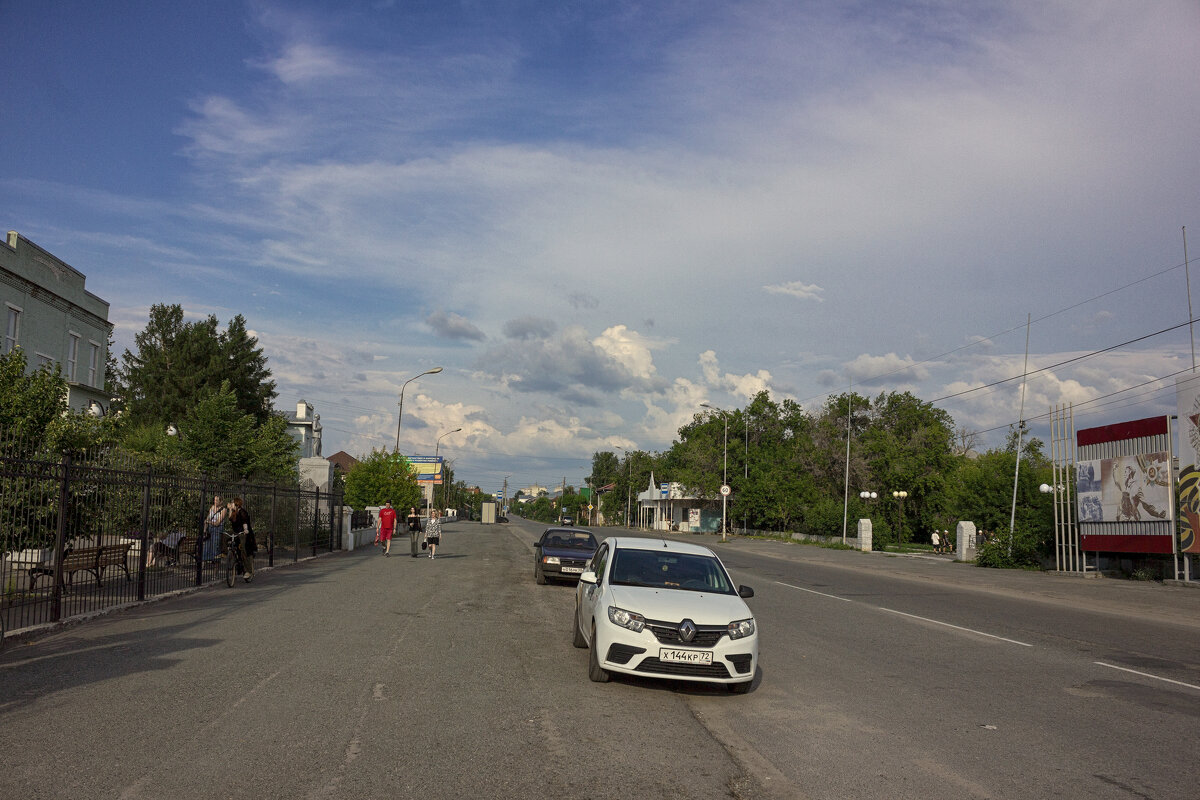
(80, 536)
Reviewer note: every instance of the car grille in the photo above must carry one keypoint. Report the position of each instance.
(668, 633)
(572, 562)
(656, 667)
(621, 653)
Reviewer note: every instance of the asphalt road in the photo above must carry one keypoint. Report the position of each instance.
(357, 676)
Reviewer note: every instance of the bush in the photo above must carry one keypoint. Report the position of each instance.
(1027, 550)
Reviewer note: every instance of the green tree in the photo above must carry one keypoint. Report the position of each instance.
(379, 477)
(909, 445)
(29, 402)
(177, 364)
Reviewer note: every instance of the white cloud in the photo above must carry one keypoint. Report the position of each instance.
(802, 291)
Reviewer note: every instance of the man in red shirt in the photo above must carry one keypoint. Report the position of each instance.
(385, 525)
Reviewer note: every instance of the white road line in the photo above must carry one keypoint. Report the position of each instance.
(956, 627)
(813, 591)
(1147, 675)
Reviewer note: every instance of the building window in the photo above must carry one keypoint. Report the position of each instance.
(12, 333)
(72, 355)
(44, 360)
(93, 363)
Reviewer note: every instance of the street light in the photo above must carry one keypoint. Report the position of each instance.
(900, 495)
(400, 416)
(436, 448)
(725, 468)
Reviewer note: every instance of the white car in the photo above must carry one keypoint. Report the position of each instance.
(664, 609)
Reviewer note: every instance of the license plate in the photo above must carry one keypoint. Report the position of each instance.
(685, 656)
(578, 570)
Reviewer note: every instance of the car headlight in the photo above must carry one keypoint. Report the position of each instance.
(741, 628)
(550, 560)
(626, 619)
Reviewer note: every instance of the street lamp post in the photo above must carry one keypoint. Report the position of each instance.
(900, 495)
(436, 449)
(400, 416)
(725, 468)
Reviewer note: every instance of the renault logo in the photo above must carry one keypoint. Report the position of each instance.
(687, 630)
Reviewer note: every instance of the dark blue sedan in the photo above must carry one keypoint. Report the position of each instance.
(561, 553)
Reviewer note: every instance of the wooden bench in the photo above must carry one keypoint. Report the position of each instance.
(85, 559)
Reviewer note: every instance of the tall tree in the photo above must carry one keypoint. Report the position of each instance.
(380, 477)
(177, 364)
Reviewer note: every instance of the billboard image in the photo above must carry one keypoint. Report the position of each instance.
(1187, 398)
(427, 469)
(1129, 488)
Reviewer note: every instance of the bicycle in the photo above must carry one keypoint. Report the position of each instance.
(233, 558)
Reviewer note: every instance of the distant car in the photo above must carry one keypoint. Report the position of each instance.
(664, 609)
(562, 554)
(567, 519)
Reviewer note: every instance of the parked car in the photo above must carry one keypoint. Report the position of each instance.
(566, 520)
(562, 554)
(664, 609)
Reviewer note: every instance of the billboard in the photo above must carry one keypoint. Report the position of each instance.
(428, 469)
(1124, 489)
(1187, 399)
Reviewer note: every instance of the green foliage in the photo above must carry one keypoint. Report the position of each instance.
(29, 402)
(823, 517)
(1027, 549)
(221, 440)
(787, 469)
(379, 477)
(178, 364)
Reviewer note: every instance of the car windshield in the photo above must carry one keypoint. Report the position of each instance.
(667, 570)
(581, 541)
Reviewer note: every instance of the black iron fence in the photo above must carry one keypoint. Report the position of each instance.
(79, 535)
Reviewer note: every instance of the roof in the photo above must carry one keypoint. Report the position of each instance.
(647, 543)
(342, 460)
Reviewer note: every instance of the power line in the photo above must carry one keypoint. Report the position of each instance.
(1060, 363)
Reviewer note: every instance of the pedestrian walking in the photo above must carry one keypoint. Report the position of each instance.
(937, 542)
(414, 529)
(384, 525)
(214, 527)
(246, 546)
(433, 532)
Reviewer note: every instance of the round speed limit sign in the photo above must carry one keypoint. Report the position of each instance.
(725, 489)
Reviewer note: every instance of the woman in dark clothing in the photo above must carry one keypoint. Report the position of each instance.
(239, 519)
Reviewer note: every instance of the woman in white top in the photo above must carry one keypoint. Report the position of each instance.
(214, 526)
(433, 532)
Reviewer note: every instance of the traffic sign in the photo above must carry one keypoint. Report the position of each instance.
(725, 490)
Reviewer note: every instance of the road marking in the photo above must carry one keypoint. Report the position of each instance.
(1147, 675)
(814, 591)
(956, 627)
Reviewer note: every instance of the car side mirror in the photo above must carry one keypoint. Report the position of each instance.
(745, 591)
(588, 577)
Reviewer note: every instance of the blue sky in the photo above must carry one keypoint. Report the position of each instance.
(598, 215)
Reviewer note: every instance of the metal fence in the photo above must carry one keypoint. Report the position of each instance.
(79, 535)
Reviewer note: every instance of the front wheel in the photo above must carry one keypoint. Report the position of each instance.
(230, 564)
(539, 577)
(596, 672)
